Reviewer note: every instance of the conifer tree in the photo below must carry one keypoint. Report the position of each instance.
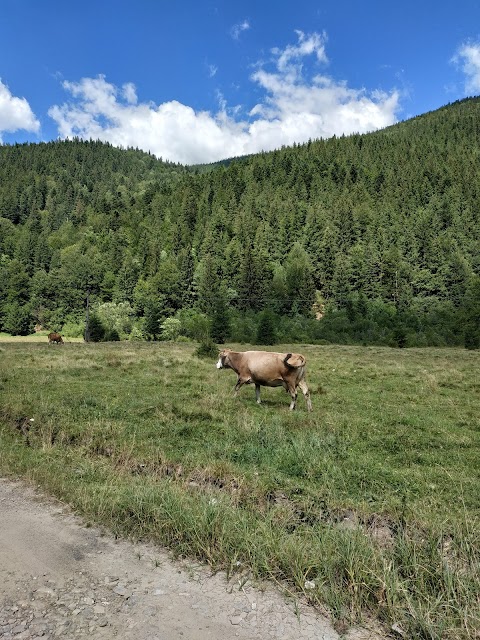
(471, 313)
(253, 279)
(220, 319)
(207, 284)
(299, 280)
(96, 330)
(17, 319)
(279, 299)
(186, 278)
(266, 331)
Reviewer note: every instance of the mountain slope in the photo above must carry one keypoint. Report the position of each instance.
(386, 220)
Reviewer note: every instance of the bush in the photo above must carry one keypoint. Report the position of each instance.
(194, 324)
(136, 334)
(111, 335)
(170, 328)
(399, 338)
(472, 337)
(116, 317)
(206, 349)
(243, 328)
(73, 329)
(96, 330)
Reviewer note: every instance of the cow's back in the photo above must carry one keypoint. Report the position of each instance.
(266, 365)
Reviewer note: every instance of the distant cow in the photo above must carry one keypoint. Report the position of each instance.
(55, 338)
(267, 369)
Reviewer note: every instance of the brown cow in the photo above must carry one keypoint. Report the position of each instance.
(267, 369)
(55, 338)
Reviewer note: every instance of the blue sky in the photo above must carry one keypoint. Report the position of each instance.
(197, 81)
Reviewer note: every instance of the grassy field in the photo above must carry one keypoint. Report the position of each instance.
(370, 504)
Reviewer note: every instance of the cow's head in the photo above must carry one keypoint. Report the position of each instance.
(223, 359)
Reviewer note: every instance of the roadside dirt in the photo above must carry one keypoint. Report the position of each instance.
(60, 579)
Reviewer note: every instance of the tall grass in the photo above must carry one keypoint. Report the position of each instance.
(369, 504)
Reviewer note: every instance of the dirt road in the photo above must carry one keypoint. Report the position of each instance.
(60, 579)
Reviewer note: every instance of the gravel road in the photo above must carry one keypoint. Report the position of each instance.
(60, 579)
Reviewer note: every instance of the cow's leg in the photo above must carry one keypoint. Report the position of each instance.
(303, 386)
(240, 382)
(293, 393)
(257, 393)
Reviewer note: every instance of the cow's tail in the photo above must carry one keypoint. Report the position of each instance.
(298, 362)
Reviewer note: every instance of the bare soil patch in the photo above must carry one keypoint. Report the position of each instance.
(59, 578)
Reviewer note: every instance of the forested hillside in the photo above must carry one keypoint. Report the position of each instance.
(368, 238)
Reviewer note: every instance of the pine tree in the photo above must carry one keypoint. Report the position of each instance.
(220, 319)
(299, 280)
(186, 278)
(96, 330)
(207, 284)
(17, 319)
(279, 299)
(470, 313)
(266, 331)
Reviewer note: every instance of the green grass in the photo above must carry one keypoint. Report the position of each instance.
(373, 497)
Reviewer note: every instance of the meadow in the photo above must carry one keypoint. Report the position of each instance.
(369, 505)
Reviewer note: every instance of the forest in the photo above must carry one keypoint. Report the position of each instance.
(362, 239)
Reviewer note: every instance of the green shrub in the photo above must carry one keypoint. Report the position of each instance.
(206, 349)
(194, 325)
(136, 334)
(170, 328)
(73, 329)
(96, 330)
(111, 335)
(472, 337)
(399, 338)
(117, 318)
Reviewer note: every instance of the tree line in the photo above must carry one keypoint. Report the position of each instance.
(371, 238)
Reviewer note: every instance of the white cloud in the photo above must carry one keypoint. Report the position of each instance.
(468, 58)
(307, 45)
(293, 108)
(130, 93)
(15, 113)
(171, 130)
(237, 29)
(212, 70)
